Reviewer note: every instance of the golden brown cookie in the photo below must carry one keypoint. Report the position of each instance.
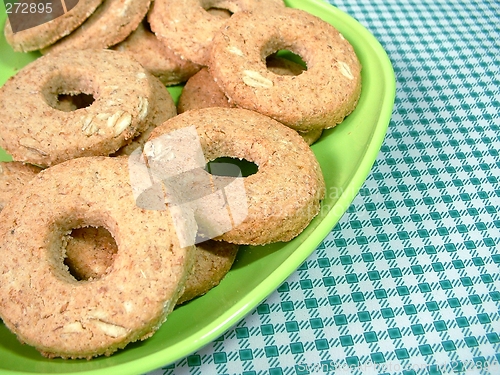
(126, 100)
(159, 60)
(188, 28)
(89, 250)
(14, 176)
(274, 204)
(44, 305)
(41, 36)
(318, 98)
(112, 22)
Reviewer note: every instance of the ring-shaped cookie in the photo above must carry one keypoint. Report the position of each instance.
(318, 98)
(44, 305)
(127, 101)
(188, 28)
(282, 197)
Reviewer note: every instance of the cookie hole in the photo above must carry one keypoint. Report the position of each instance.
(231, 167)
(70, 103)
(286, 63)
(69, 91)
(220, 12)
(90, 252)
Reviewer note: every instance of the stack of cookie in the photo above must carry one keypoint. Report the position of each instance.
(109, 215)
(174, 40)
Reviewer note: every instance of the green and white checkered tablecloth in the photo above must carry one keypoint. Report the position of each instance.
(408, 282)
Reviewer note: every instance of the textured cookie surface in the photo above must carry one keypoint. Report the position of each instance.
(41, 36)
(44, 305)
(188, 28)
(13, 177)
(111, 23)
(126, 100)
(278, 201)
(318, 98)
(153, 55)
(201, 91)
(90, 251)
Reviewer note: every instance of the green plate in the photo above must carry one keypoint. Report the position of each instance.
(346, 154)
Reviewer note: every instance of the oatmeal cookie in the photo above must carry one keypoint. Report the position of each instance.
(44, 305)
(201, 91)
(14, 175)
(278, 201)
(125, 101)
(319, 98)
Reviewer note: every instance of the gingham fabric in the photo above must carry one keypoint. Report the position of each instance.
(408, 281)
